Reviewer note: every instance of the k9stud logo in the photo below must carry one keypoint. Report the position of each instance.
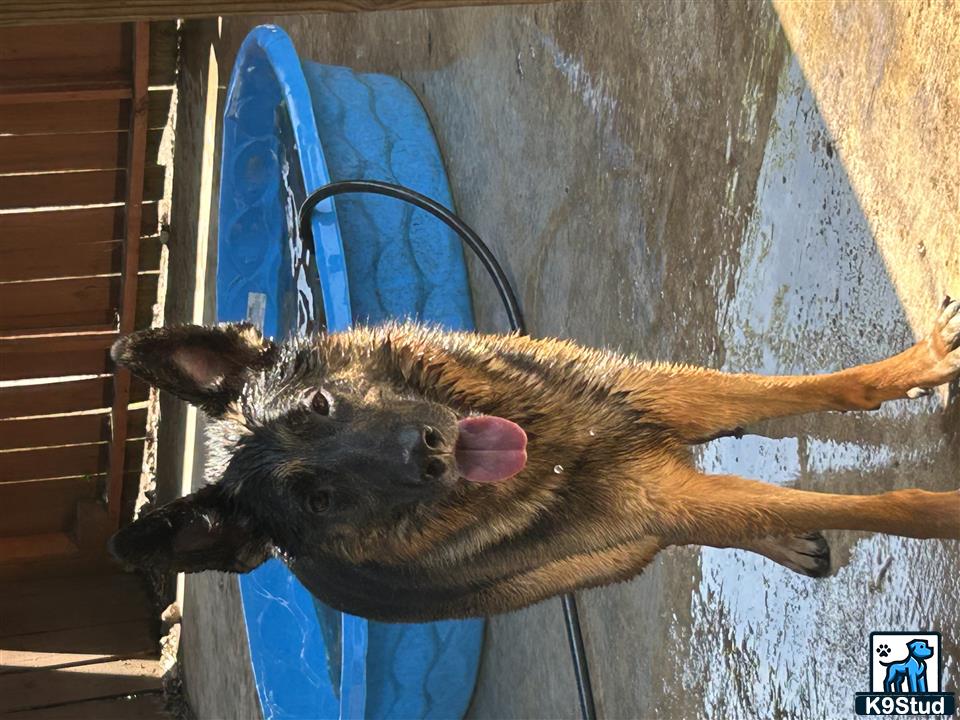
(905, 670)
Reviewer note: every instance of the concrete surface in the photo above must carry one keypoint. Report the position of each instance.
(884, 75)
(678, 180)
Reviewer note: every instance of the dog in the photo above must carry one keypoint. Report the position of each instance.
(913, 669)
(408, 474)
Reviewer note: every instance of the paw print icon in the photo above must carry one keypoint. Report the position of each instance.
(883, 650)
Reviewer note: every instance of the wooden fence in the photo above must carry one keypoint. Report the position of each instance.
(79, 260)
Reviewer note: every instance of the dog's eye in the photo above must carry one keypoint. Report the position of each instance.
(319, 502)
(321, 402)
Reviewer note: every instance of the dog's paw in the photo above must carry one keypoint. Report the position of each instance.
(807, 553)
(940, 351)
(883, 650)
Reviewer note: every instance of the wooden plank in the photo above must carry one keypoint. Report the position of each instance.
(75, 188)
(48, 506)
(77, 329)
(85, 564)
(64, 92)
(67, 429)
(50, 398)
(34, 263)
(101, 258)
(31, 12)
(59, 303)
(43, 688)
(143, 706)
(46, 153)
(69, 151)
(89, 530)
(19, 465)
(55, 356)
(55, 462)
(73, 646)
(71, 603)
(65, 228)
(62, 397)
(66, 304)
(79, 116)
(91, 187)
(57, 54)
(92, 529)
(64, 117)
(14, 591)
(136, 161)
(31, 548)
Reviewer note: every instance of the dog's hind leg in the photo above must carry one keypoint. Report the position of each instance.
(701, 404)
(730, 511)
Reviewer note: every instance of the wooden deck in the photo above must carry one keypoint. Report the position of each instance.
(79, 647)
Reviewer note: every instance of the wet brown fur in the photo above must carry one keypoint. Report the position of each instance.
(609, 479)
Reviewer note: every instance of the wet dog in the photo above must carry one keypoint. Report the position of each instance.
(405, 473)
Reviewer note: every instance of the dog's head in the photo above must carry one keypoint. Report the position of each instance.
(312, 447)
(920, 649)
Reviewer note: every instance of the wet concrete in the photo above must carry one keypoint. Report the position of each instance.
(884, 78)
(660, 177)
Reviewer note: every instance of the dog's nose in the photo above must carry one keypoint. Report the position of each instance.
(421, 449)
(434, 445)
(421, 443)
(432, 438)
(424, 440)
(433, 470)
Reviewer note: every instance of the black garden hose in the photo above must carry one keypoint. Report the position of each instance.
(515, 317)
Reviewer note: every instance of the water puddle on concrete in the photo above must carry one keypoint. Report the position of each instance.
(813, 295)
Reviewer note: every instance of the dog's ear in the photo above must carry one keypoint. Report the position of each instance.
(205, 366)
(202, 531)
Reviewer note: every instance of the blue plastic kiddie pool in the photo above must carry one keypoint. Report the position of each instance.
(291, 126)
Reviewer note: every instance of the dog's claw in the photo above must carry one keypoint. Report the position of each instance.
(950, 332)
(807, 553)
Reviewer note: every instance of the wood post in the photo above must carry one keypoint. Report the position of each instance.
(33, 12)
(137, 151)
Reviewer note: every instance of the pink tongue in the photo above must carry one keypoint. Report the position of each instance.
(490, 449)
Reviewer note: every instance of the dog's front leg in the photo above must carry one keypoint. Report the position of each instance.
(701, 404)
(912, 683)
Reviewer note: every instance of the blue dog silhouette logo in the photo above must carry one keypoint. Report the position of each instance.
(910, 673)
(905, 672)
